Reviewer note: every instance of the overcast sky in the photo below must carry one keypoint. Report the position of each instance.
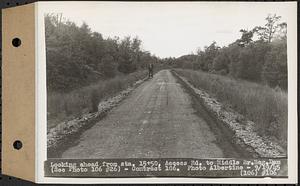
(169, 29)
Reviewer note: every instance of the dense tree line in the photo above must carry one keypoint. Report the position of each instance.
(76, 56)
(263, 59)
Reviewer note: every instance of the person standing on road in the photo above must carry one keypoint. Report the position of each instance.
(150, 69)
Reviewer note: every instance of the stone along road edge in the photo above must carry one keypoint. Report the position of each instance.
(159, 119)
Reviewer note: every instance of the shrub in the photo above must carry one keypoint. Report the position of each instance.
(275, 68)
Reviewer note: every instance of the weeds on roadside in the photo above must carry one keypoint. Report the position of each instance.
(263, 105)
(63, 106)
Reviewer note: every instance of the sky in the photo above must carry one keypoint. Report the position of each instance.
(170, 29)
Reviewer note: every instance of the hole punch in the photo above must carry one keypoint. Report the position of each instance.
(18, 144)
(16, 42)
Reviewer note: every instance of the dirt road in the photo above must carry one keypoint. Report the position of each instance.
(157, 120)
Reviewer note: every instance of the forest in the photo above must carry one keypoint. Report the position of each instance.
(77, 56)
(259, 55)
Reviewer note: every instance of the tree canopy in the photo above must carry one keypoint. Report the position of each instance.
(263, 60)
(77, 56)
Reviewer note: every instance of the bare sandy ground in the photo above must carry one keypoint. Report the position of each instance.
(156, 121)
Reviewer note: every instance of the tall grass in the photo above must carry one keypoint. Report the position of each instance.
(263, 105)
(63, 106)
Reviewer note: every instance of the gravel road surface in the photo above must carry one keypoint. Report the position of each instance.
(157, 120)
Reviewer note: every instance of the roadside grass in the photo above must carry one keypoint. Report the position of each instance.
(265, 106)
(65, 106)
